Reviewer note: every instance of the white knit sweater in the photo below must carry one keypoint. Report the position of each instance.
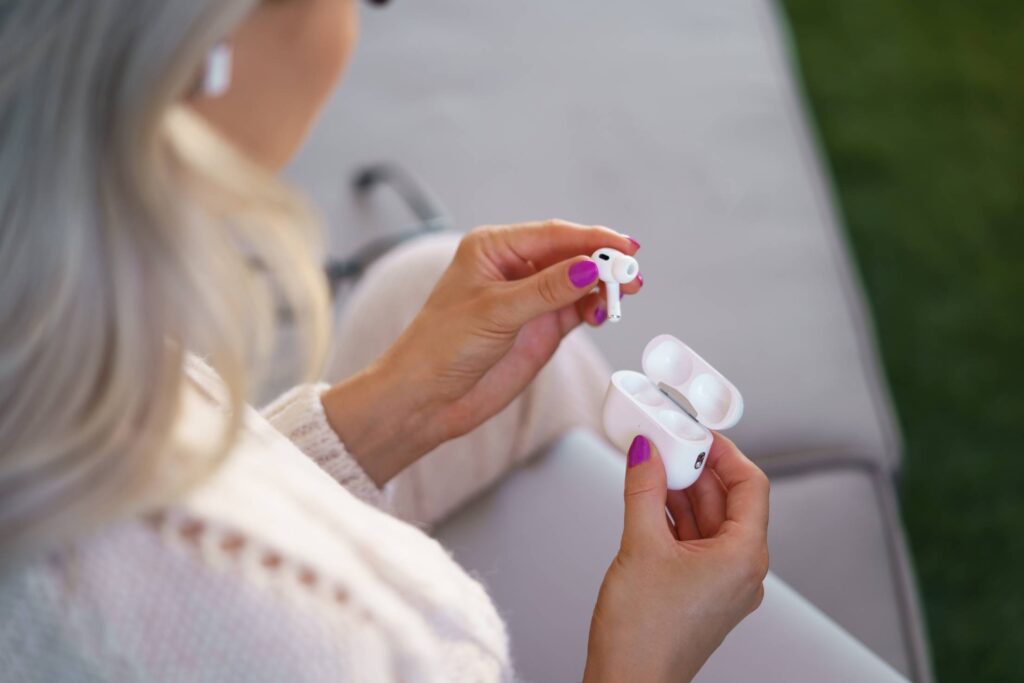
(268, 571)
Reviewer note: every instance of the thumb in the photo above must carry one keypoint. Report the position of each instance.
(646, 492)
(553, 288)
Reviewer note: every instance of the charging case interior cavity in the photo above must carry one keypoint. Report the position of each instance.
(675, 402)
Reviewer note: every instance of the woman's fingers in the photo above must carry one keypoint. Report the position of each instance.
(544, 243)
(671, 526)
(645, 493)
(746, 487)
(549, 266)
(707, 495)
(593, 308)
(553, 288)
(682, 512)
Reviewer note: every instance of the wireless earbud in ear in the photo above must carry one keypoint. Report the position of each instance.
(218, 71)
(615, 269)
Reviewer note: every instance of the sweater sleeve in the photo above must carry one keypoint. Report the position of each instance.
(299, 415)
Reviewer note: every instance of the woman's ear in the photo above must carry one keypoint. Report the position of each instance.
(263, 87)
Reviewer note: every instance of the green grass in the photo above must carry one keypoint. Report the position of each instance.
(920, 106)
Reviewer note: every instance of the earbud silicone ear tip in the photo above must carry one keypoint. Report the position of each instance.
(625, 269)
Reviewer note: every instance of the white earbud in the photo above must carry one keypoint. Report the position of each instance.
(219, 68)
(615, 269)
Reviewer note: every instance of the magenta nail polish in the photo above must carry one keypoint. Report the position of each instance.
(639, 451)
(640, 279)
(632, 241)
(583, 273)
(600, 315)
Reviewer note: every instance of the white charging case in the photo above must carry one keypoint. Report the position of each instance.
(675, 403)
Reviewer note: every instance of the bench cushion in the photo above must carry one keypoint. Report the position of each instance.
(836, 537)
(679, 123)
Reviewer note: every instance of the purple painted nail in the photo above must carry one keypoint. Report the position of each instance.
(640, 279)
(583, 273)
(639, 451)
(633, 241)
(600, 315)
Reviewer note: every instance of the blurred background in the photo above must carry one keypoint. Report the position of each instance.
(920, 108)
(829, 195)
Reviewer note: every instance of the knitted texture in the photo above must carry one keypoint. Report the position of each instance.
(266, 571)
(299, 415)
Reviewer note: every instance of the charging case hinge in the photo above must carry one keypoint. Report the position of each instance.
(678, 399)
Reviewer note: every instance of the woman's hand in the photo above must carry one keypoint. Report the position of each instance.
(493, 320)
(678, 586)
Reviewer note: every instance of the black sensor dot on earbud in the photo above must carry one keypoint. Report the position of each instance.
(605, 257)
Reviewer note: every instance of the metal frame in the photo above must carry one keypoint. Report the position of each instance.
(429, 212)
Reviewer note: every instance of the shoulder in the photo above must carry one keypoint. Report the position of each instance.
(266, 570)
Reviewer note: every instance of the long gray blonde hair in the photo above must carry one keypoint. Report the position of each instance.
(129, 233)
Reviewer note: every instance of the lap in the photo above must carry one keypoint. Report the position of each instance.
(542, 540)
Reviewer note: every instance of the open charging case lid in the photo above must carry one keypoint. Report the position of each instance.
(692, 383)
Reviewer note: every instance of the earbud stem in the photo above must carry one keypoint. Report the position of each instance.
(614, 301)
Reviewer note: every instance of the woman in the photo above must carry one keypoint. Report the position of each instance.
(154, 527)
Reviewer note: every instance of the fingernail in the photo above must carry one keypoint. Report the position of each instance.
(639, 451)
(640, 279)
(633, 242)
(583, 273)
(600, 315)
